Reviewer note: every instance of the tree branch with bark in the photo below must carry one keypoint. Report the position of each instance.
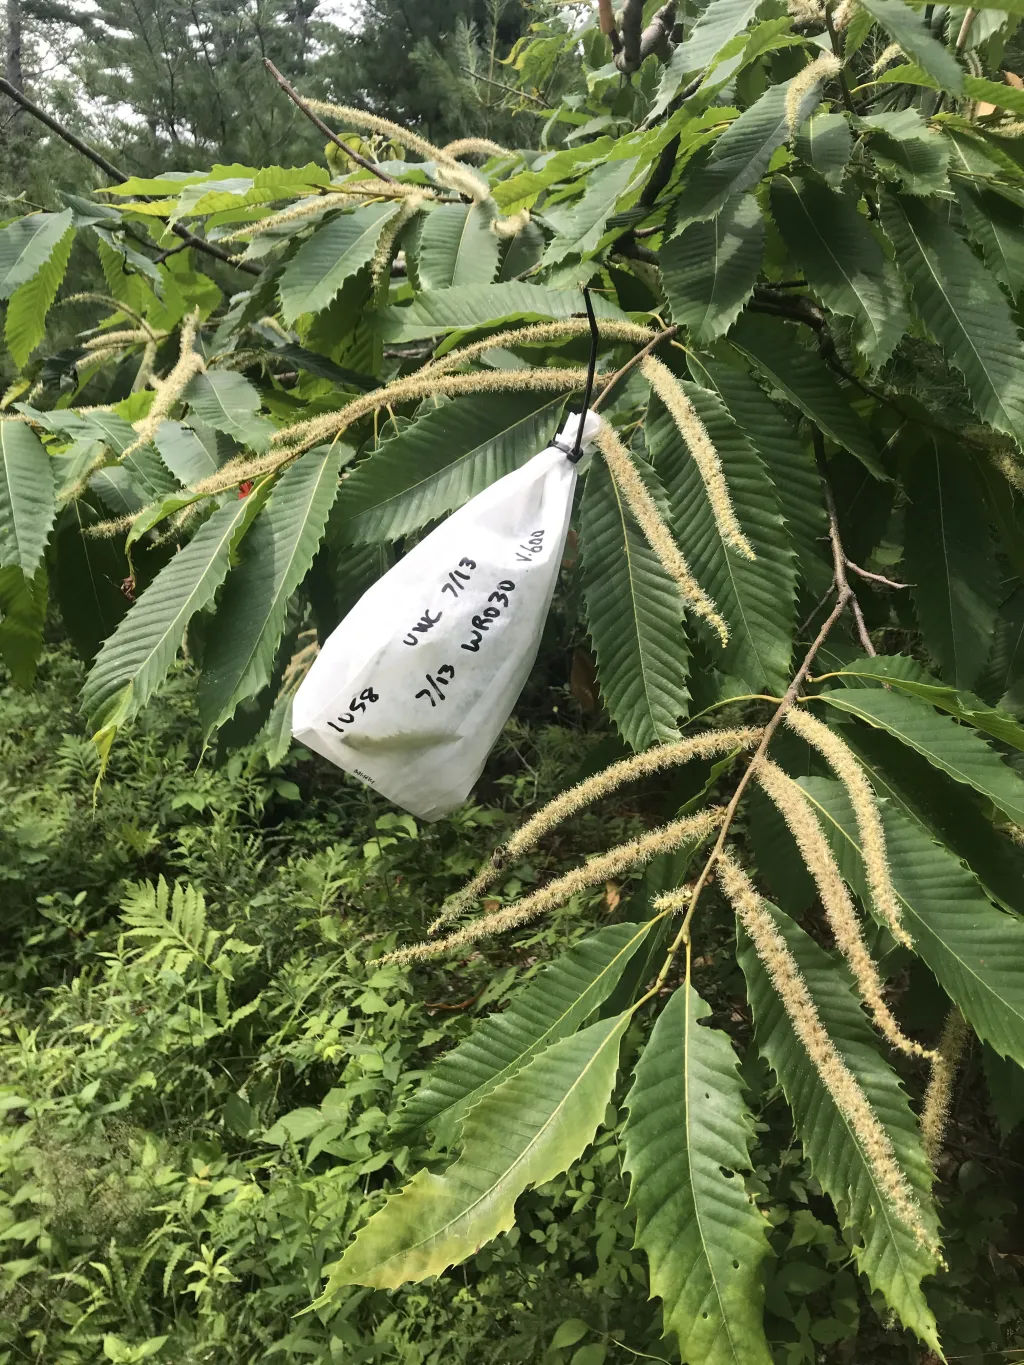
(118, 176)
(636, 43)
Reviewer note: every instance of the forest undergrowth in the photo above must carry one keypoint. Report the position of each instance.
(201, 1061)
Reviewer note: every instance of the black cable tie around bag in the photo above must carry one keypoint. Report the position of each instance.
(576, 453)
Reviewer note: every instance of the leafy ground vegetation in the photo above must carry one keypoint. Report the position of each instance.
(750, 950)
(202, 1060)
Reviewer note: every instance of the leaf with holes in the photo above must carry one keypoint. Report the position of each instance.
(526, 1131)
(686, 1143)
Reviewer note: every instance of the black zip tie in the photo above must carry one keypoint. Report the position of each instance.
(595, 340)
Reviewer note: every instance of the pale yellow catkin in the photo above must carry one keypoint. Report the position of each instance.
(372, 188)
(828, 64)
(169, 390)
(329, 426)
(512, 225)
(298, 666)
(837, 1078)
(890, 54)
(89, 296)
(623, 858)
(702, 450)
(105, 529)
(101, 355)
(806, 11)
(708, 744)
(796, 810)
(241, 359)
(359, 118)
(640, 502)
(131, 336)
(474, 146)
(269, 321)
(679, 899)
(144, 373)
(455, 176)
(421, 385)
(386, 242)
(843, 762)
(1010, 468)
(304, 208)
(844, 14)
(935, 1112)
(537, 334)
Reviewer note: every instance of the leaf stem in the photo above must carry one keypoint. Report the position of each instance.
(837, 48)
(117, 175)
(613, 381)
(300, 103)
(844, 598)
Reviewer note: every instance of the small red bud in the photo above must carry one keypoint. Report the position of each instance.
(245, 488)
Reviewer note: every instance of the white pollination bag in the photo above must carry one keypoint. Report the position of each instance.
(412, 689)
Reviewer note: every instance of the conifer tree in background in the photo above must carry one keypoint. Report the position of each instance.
(437, 65)
(799, 561)
(182, 85)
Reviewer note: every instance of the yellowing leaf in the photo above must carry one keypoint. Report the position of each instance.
(523, 1133)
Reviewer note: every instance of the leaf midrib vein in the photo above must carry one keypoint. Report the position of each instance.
(467, 1211)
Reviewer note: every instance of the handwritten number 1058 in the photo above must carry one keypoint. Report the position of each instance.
(367, 695)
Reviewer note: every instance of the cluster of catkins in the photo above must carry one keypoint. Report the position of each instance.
(779, 963)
